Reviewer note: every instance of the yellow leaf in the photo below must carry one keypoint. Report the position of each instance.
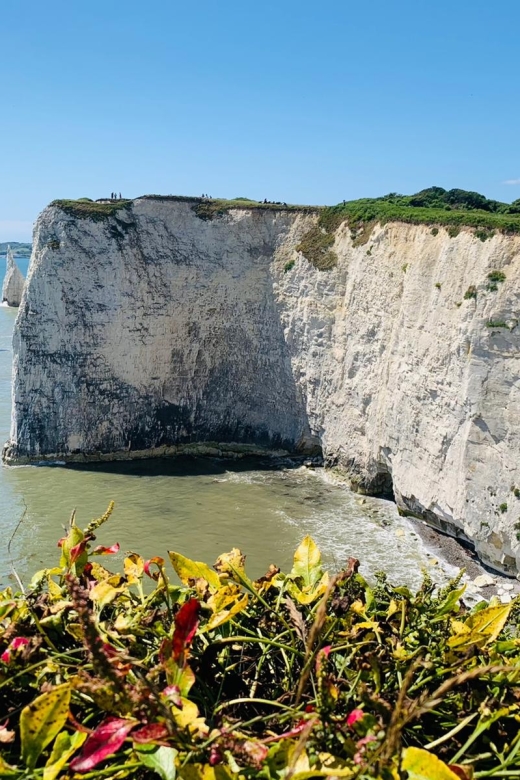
(307, 563)
(226, 595)
(358, 607)
(392, 609)
(490, 621)
(65, 745)
(422, 765)
(335, 767)
(205, 772)
(54, 589)
(231, 609)
(42, 720)
(123, 623)
(458, 627)
(308, 595)
(6, 770)
(371, 625)
(301, 764)
(134, 568)
(99, 572)
(103, 593)
(185, 715)
(230, 563)
(187, 570)
(481, 628)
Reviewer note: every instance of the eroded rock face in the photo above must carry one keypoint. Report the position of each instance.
(14, 281)
(155, 330)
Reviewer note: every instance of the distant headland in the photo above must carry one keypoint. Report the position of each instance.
(18, 249)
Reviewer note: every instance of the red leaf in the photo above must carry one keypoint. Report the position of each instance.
(354, 716)
(165, 650)
(295, 732)
(159, 562)
(186, 624)
(17, 642)
(100, 550)
(150, 733)
(103, 742)
(77, 550)
(464, 772)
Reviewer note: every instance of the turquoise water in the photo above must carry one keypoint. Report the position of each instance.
(196, 506)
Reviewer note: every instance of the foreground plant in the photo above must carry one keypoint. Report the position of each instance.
(289, 676)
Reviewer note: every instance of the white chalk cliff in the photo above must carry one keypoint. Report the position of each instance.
(14, 281)
(153, 329)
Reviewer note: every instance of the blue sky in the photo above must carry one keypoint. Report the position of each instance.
(294, 101)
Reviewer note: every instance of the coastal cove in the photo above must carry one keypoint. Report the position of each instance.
(200, 507)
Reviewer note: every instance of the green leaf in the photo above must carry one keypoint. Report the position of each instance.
(160, 759)
(42, 720)
(422, 765)
(450, 603)
(307, 563)
(74, 537)
(65, 745)
(187, 570)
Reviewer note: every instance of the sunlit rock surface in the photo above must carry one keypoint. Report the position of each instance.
(14, 281)
(154, 330)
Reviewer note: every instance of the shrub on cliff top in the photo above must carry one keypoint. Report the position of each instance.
(290, 676)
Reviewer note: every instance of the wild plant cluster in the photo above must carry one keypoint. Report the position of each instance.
(289, 677)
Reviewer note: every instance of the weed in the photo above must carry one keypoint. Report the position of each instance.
(484, 234)
(471, 292)
(496, 324)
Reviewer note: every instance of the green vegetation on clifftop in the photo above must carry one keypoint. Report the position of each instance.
(91, 209)
(454, 209)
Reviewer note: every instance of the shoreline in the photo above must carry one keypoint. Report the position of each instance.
(448, 548)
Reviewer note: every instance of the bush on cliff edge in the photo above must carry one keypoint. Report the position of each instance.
(291, 676)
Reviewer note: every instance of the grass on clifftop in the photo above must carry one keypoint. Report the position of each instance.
(91, 209)
(215, 677)
(211, 208)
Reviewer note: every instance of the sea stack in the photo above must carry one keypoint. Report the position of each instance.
(14, 281)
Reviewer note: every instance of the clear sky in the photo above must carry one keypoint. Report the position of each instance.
(298, 101)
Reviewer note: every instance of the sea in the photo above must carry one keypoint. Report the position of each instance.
(199, 507)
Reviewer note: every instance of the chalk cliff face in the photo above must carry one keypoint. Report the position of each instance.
(154, 329)
(14, 281)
